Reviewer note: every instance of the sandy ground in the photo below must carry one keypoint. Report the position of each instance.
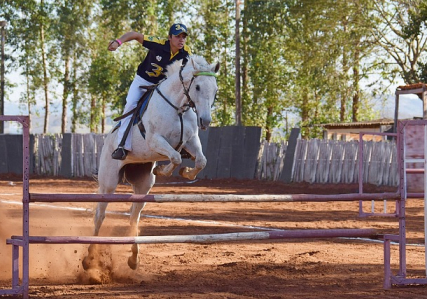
(321, 268)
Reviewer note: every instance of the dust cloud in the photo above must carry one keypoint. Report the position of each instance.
(62, 263)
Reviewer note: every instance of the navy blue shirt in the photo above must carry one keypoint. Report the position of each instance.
(158, 57)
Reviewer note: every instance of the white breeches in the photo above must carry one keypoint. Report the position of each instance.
(134, 94)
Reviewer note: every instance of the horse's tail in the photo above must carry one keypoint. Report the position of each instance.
(95, 174)
(121, 175)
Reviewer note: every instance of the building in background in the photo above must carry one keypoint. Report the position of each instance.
(350, 131)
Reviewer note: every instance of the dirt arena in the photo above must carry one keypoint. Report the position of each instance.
(322, 268)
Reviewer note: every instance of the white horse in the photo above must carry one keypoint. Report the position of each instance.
(178, 107)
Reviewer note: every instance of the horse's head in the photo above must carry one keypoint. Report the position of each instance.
(202, 88)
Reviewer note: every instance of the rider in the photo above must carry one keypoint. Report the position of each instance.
(161, 53)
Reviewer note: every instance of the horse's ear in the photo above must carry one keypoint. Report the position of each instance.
(195, 64)
(184, 61)
(216, 67)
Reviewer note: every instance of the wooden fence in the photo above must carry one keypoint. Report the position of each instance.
(331, 161)
(271, 160)
(233, 153)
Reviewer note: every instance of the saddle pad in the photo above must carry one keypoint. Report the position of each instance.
(141, 110)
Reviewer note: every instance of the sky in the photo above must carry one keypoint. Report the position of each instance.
(12, 107)
(410, 106)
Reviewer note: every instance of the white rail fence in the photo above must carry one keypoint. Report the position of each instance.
(315, 160)
(84, 157)
(47, 154)
(331, 161)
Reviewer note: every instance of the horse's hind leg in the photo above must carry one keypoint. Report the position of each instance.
(142, 179)
(133, 260)
(90, 261)
(98, 219)
(107, 181)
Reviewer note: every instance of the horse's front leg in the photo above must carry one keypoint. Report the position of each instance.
(194, 147)
(159, 144)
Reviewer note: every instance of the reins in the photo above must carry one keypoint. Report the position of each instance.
(181, 111)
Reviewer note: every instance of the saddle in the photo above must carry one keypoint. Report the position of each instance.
(136, 113)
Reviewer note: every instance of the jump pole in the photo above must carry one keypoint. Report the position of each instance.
(162, 198)
(207, 238)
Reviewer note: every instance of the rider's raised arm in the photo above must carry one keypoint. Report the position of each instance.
(128, 36)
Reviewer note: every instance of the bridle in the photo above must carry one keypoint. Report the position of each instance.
(187, 90)
(190, 104)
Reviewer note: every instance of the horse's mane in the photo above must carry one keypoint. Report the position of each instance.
(176, 65)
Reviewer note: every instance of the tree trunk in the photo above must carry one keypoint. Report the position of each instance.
(237, 61)
(65, 94)
(268, 127)
(74, 116)
(356, 88)
(245, 75)
(344, 70)
(92, 121)
(104, 100)
(45, 80)
(304, 114)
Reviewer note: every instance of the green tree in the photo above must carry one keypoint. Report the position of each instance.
(307, 57)
(313, 55)
(356, 43)
(402, 36)
(264, 69)
(70, 32)
(31, 39)
(211, 35)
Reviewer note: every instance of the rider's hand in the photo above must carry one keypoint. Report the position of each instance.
(113, 45)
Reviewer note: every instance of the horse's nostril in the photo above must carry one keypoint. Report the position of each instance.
(204, 124)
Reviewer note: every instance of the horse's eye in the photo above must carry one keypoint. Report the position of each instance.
(198, 87)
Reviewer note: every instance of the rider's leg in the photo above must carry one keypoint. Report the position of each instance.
(134, 94)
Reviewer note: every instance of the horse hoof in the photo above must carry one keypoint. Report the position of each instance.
(86, 263)
(185, 172)
(133, 262)
(95, 276)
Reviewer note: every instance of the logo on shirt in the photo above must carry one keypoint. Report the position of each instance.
(158, 58)
(156, 71)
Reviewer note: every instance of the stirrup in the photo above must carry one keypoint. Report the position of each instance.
(119, 153)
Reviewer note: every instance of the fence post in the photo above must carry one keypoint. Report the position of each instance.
(289, 156)
(66, 165)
